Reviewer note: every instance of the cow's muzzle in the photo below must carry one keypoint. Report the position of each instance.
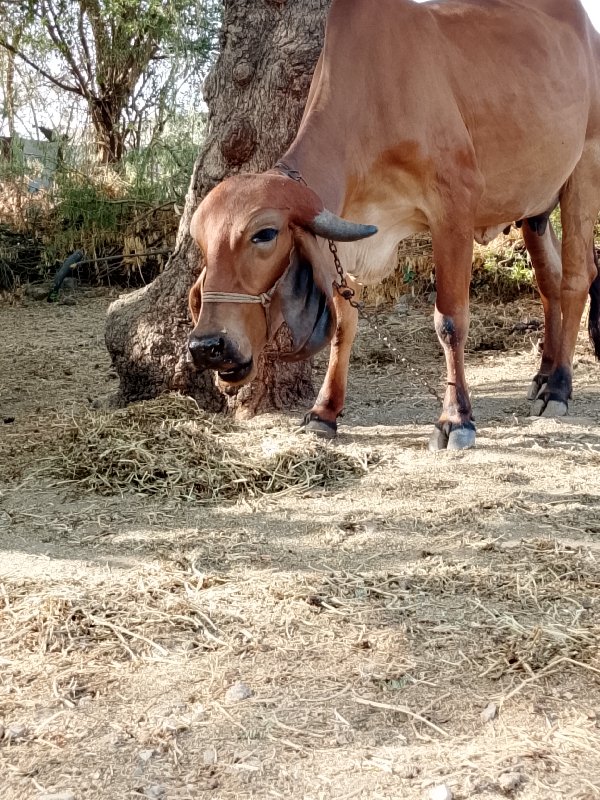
(214, 351)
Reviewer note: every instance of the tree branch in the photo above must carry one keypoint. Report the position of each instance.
(67, 87)
(60, 40)
(84, 44)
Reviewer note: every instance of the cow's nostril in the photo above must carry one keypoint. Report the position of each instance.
(216, 348)
(206, 349)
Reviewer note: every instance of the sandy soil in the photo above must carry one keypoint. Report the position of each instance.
(433, 624)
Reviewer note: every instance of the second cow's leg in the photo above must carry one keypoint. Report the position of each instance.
(453, 254)
(579, 208)
(545, 256)
(322, 418)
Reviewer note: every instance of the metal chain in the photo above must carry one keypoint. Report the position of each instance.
(342, 287)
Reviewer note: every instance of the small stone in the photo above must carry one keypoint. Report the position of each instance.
(489, 713)
(101, 403)
(441, 792)
(145, 755)
(155, 792)
(238, 692)
(69, 300)
(15, 732)
(209, 757)
(509, 781)
(173, 725)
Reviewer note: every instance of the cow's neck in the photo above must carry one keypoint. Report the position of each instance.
(321, 166)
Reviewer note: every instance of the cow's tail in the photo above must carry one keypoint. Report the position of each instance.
(594, 317)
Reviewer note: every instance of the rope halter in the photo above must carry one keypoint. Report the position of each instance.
(264, 298)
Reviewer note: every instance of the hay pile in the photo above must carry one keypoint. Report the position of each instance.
(169, 446)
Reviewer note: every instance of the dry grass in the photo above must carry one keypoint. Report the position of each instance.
(384, 674)
(20, 208)
(161, 611)
(407, 335)
(170, 447)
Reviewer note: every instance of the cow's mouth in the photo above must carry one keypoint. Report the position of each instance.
(237, 374)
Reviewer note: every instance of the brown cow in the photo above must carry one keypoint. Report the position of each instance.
(456, 116)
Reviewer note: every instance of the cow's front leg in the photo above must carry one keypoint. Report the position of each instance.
(322, 418)
(455, 429)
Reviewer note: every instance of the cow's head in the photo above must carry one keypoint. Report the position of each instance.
(264, 266)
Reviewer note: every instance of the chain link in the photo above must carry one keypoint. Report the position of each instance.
(342, 287)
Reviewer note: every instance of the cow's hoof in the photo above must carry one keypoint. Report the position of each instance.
(462, 438)
(452, 436)
(548, 408)
(438, 440)
(322, 428)
(555, 408)
(538, 382)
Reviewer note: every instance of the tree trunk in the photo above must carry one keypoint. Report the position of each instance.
(9, 101)
(105, 118)
(255, 95)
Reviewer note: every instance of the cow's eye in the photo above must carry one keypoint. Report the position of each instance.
(265, 235)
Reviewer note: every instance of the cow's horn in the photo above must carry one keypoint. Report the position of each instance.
(329, 226)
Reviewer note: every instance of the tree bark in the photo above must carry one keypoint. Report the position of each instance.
(106, 119)
(9, 101)
(255, 95)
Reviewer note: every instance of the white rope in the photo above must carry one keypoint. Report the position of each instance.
(231, 297)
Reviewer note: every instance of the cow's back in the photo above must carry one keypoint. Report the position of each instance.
(484, 80)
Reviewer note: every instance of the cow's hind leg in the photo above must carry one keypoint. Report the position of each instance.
(322, 418)
(545, 257)
(579, 205)
(453, 253)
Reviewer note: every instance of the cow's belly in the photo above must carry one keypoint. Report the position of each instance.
(369, 261)
(394, 213)
(525, 180)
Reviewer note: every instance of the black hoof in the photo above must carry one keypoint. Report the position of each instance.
(438, 439)
(551, 401)
(538, 382)
(452, 436)
(312, 423)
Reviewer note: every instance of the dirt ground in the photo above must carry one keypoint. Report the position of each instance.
(430, 630)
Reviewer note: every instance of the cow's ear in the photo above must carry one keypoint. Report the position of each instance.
(305, 299)
(195, 297)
